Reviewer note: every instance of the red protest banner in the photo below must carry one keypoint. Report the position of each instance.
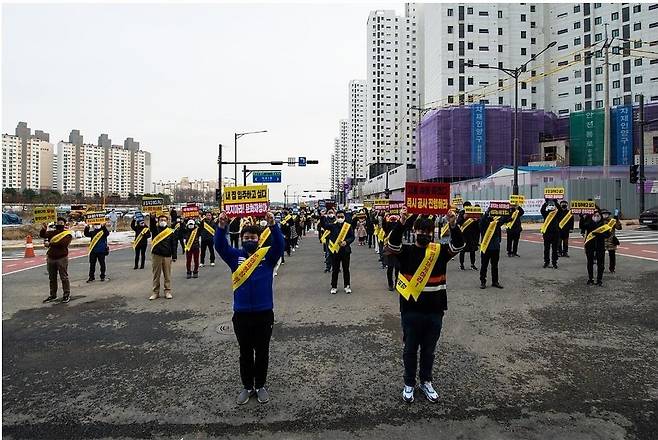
(427, 198)
(190, 211)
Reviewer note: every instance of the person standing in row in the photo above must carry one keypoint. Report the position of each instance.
(423, 299)
(142, 234)
(253, 301)
(57, 261)
(191, 238)
(340, 237)
(234, 231)
(392, 263)
(490, 247)
(208, 227)
(470, 228)
(514, 229)
(164, 248)
(551, 231)
(595, 231)
(98, 249)
(612, 241)
(566, 226)
(370, 228)
(326, 220)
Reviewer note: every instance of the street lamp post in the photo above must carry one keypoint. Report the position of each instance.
(515, 73)
(237, 136)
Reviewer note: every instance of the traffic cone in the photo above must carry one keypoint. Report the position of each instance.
(29, 247)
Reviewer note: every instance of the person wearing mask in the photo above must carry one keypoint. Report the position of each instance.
(174, 216)
(207, 228)
(234, 231)
(470, 228)
(98, 249)
(142, 234)
(490, 247)
(164, 248)
(286, 230)
(361, 231)
(370, 228)
(566, 226)
(191, 236)
(595, 231)
(294, 236)
(252, 270)
(179, 230)
(514, 229)
(57, 261)
(611, 242)
(423, 300)
(114, 218)
(392, 264)
(324, 229)
(550, 230)
(341, 235)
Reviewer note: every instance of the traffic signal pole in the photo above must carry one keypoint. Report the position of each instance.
(642, 178)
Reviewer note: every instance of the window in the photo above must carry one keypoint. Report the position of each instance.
(451, 99)
(564, 46)
(450, 46)
(637, 44)
(576, 41)
(638, 62)
(616, 84)
(483, 31)
(599, 70)
(562, 63)
(470, 81)
(653, 25)
(637, 8)
(500, 100)
(615, 67)
(451, 64)
(638, 80)
(576, 25)
(577, 91)
(614, 16)
(523, 51)
(533, 40)
(522, 34)
(652, 7)
(616, 101)
(562, 31)
(576, 9)
(450, 12)
(500, 31)
(637, 26)
(598, 37)
(483, 14)
(524, 85)
(469, 46)
(599, 87)
(563, 79)
(597, 5)
(532, 8)
(450, 29)
(524, 102)
(599, 103)
(533, 89)
(500, 48)
(615, 33)
(523, 17)
(483, 48)
(469, 11)
(469, 28)
(451, 81)
(598, 20)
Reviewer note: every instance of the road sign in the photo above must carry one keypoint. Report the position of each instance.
(302, 161)
(267, 176)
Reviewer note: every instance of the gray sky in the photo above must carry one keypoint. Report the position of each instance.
(182, 78)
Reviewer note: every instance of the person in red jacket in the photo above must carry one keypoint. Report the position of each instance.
(57, 260)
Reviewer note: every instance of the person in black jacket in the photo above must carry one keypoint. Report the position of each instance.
(207, 238)
(340, 252)
(370, 228)
(566, 226)
(392, 263)
(471, 231)
(514, 229)
(99, 251)
(141, 241)
(595, 231)
(492, 252)
(164, 247)
(234, 231)
(191, 237)
(550, 230)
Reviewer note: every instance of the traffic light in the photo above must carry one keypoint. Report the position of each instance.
(218, 194)
(634, 175)
(387, 193)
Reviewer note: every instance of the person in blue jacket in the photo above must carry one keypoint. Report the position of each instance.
(253, 303)
(99, 251)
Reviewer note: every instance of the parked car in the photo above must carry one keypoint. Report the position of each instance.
(650, 218)
(11, 219)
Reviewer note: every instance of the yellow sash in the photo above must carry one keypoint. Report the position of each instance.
(381, 234)
(335, 247)
(95, 239)
(263, 237)
(139, 237)
(209, 228)
(487, 235)
(515, 215)
(444, 229)
(244, 271)
(466, 224)
(387, 237)
(568, 216)
(161, 236)
(190, 240)
(59, 236)
(325, 234)
(600, 230)
(549, 218)
(176, 227)
(286, 219)
(416, 284)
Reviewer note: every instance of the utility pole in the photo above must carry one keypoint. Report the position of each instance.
(219, 177)
(606, 100)
(354, 178)
(642, 178)
(244, 175)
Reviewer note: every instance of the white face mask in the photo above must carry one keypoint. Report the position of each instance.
(190, 226)
(263, 223)
(550, 207)
(340, 219)
(163, 224)
(596, 218)
(97, 226)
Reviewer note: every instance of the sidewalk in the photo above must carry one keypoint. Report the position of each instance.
(124, 237)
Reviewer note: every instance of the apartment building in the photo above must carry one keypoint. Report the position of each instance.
(27, 159)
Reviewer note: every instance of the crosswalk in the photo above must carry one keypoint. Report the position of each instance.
(638, 236)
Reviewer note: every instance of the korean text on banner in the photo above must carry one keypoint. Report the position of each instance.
(394, 207)
(554, 193)
(153, 205)
(517, 199)
(473, 211)
(190, 211)
(242, 201)
(622, 135)
(427, 198)
(478, 134)
(381, 204)
(45, 214)
(583, 206)
(95, 218)
(499, 208)
(457, 201)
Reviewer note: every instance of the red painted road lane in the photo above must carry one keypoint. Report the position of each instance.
(21, 264)
(642, 251)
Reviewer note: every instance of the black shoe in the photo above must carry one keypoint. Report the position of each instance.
(141, 267)
(49, 299)
(590, 282)
(474, 267)
(90, 280)
(104, 279)
(66, 298)
(509, 254)
(555, 266)
(189, 275)
(325, 271)
(516, 255)
(496, 285)
(565, 255)
(195, 275)
(483, 285)
(599, 283)
(391, 288)
(135, 268)
(545, 265)
(462, 267)
(612, 270)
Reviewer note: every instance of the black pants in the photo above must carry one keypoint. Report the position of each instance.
(551, 243)
(371, 239)
(209, 245)
(327, 257)
(235, 240)
(338, 259)
(513, 242)
(93, 257)
(253, 331)
(287, 246)
(419, 330)
(591, 253)
(564, 244)
(462, 255)
(393, 267)
(140, 254)
(613, 259)
(485, 257)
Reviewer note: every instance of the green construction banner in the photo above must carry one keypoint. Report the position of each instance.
(586, 130)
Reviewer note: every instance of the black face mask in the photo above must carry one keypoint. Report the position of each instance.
(423, 239)
(59, 227)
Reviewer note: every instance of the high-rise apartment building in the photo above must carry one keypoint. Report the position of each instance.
(357, 122)
(27, 159)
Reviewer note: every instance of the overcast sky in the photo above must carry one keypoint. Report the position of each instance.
(181, 79)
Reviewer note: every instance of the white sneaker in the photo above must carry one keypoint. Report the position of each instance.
(408, 394)
(431, 395)
(348, 289)
(293, 249)
(212, 264)
(276, 273)
(154, 296)
(168, 295)
(201, 265)
(334, 290)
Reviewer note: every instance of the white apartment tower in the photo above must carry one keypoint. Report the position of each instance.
(27, 159)
(392, 89)
(343, 159)
(357, 122)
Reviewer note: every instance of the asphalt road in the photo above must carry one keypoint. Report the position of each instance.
(546, 358)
